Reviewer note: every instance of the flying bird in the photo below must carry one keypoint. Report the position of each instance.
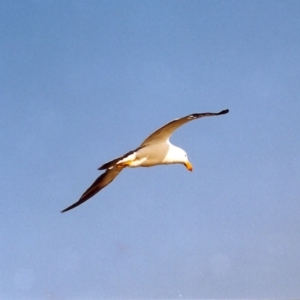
(156, 149)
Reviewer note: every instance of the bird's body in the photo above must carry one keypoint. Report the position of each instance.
(155, 150)
(148, 156)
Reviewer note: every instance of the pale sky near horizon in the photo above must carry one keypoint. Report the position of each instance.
(83, 82)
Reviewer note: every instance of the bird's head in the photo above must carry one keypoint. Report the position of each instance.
(186, 162)
(177, 155)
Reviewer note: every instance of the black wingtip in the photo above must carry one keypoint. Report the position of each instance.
(69, 208)
(64, 210)
(80, 201)
(223, 112)
(86, 196)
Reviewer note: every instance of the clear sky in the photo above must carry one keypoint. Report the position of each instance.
(83, 82)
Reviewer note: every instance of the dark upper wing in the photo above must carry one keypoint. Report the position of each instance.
(163, 134)
(101, 182)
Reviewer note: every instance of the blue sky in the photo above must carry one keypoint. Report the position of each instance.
(83, 82)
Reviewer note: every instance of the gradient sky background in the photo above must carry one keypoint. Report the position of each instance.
(83, 82)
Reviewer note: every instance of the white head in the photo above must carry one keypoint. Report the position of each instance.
(177, 155)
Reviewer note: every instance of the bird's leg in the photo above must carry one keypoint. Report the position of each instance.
(124, 164)
(127, 160)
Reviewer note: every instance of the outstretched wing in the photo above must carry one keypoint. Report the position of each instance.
(163, 134)
(101, 182)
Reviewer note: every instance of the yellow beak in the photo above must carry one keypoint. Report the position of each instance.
(189, 166)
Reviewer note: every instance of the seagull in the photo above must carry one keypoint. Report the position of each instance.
(156, 149)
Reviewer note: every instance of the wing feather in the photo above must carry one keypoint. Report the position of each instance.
(101, 182)
(163, 134)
